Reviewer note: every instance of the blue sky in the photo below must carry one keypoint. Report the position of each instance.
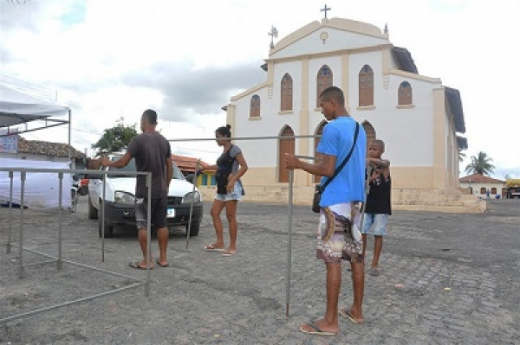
(108, 59)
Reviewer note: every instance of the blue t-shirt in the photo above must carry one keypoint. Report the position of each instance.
(336, 140)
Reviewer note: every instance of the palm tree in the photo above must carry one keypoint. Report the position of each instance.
(480, 164)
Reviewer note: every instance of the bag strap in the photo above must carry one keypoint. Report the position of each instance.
(344, 161)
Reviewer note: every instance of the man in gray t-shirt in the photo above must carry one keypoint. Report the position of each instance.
(152, 153)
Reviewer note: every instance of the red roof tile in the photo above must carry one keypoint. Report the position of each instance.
(478, 178)
(187, 163)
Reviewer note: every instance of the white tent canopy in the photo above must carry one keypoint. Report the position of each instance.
(17, 108)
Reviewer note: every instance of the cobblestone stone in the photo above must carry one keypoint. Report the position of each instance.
(204, 298)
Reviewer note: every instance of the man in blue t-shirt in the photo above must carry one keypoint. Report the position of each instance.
(339, 236)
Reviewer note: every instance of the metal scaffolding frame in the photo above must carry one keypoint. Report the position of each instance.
(289, 232)
(59, 259)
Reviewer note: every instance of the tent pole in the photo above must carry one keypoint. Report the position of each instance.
(69, 137)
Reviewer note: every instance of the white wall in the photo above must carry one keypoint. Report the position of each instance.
(477, 186)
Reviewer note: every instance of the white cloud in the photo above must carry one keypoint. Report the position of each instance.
(116, 58)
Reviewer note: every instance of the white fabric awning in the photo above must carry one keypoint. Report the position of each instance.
(17, 107)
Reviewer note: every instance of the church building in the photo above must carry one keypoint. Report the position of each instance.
(420, 120)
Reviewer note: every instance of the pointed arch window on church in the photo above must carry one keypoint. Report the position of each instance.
(254, 110)
(285, 146)
(324, 80)
(366, 86)
(286, 93)
(404, 96)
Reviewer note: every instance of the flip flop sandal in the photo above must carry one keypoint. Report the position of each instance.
(210, 248)
(346, 314)
(137, 265)
(161, 265)
(316, 330)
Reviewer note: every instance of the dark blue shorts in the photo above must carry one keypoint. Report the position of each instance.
(158, 212)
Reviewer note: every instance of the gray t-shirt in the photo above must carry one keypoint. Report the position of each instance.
(233, 152)
(150, 151)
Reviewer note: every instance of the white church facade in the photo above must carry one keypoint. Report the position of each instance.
(420, 119)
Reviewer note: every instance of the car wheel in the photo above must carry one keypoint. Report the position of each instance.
(92, 211)
(109, 228)
(194, 231)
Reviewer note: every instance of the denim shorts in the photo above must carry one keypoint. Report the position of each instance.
(236, 194)
(377, 221)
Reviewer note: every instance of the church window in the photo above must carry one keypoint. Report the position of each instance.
(366, 86)
(482, 190)
(404, 95)
(254, 110)
(370, 133)
(324, 80)
(493, 191)
(285, 146)
(287, 93)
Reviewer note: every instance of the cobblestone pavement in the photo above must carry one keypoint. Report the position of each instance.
(460, 277)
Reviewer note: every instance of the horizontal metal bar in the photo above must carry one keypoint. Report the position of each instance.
(305, 157)
(40, 263)
(85, 299)
(75, 171)
(251, 138)
(35, 129)
(80, 265)
(101, 270)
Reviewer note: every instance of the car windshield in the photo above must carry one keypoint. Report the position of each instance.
(177, 174)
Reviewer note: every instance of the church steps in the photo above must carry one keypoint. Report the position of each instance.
(402, 199)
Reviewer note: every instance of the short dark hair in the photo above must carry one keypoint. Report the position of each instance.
(333, 92)
(150, 116)
(379, 142)
(224, 131)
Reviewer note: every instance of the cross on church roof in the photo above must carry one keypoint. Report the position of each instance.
(325, 9)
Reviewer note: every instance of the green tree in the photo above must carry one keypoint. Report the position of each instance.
(116, 138)
(480, 164)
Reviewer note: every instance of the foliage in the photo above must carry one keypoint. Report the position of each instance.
(480, 164)
(116, 138)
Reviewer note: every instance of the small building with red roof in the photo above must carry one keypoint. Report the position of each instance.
(479, 185)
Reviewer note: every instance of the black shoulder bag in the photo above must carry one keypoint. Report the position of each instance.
(318, 189)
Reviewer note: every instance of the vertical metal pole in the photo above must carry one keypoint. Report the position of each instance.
(289, 233)
(148, 233)
(103, 218)
(60, 225)
(70, 118)
(191, 205)
(11, 175)
(20, 241)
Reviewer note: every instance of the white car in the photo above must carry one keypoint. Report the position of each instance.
(120, 200)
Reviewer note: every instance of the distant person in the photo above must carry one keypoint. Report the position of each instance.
(378, 204)
(152, 153)
(230, 167)
(338, 235)
(487, 194)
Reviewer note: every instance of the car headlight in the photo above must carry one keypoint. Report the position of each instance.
(124, 198)
(191, 197)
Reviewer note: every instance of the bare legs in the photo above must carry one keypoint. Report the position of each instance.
(330, 322)
(378, 247)
(162, 238)
(217, 207)
(358, 284)
(231, 215)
